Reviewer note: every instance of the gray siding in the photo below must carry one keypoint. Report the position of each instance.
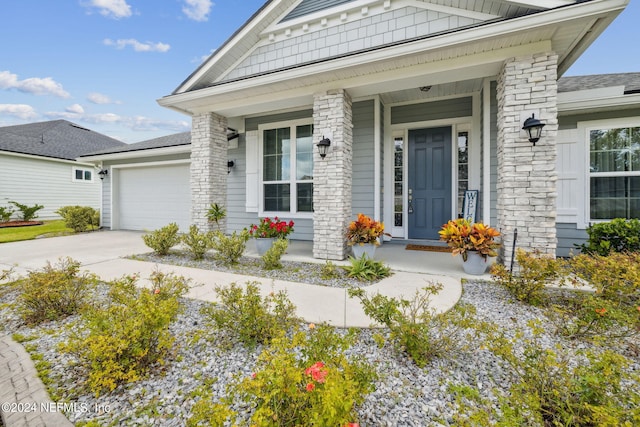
(568, 236)
(446, 109)
(363, 158)
(32, 180)
(253, 122)
(571, 122)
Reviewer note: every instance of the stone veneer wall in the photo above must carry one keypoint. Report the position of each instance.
(332, 113)
(208, 167)
(526, 188)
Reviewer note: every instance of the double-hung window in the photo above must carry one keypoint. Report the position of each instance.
(614, 172)
(287, 167)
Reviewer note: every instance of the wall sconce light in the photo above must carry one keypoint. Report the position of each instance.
(103, 173)
(230, 165)
(533, 127)
(323, 147)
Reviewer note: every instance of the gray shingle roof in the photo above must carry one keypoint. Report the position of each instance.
(630, 81)
(183, 138)
(58, 139)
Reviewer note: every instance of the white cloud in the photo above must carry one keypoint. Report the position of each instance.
(33, 85)
(198, 10)
(75, 109)
(99, 98)
(111, 8)
(22, 111)
(138, 46)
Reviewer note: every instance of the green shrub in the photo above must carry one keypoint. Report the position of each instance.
(289, 390)
(79, 218)
(216, 213)
(27, 212)
(250, 318)
(55, 292)
(130, 333)
(5, 213)
(329, 271)
(271, 258)
(611, 311)
(528, 284)
(197, 243)
(414, 328)
(230, 248)
(615, 277)
(163, 239)
(617, 235)
(553, 387)
(367, 269)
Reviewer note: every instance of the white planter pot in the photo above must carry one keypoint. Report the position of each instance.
(263, 244)
(366, 248)
(476, 264)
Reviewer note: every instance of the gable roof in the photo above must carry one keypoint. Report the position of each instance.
(630, 81)
(174, 140)
(371, 47)
(57, 139)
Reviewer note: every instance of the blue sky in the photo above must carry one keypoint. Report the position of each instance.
(103, 63)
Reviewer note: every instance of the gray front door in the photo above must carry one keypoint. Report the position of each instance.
(429, 181)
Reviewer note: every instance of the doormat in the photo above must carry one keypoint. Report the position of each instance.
(428, 248)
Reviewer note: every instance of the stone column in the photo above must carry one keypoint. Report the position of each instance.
(208, 167)
(526, 173)
(332, 118)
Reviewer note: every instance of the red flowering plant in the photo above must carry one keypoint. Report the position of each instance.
(364, 230)
(271, 228)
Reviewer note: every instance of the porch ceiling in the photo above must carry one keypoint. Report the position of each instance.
(450, 63)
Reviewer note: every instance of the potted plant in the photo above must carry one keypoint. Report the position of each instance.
(362, 235)
(267, 231)
(475, 242)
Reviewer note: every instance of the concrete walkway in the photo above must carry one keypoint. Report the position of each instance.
(102, 253)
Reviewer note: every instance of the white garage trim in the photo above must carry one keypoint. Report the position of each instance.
(162, 188)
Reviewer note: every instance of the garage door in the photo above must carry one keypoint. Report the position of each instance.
(152, 197)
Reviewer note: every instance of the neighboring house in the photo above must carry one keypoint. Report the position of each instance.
(38, 166)
(420, 101)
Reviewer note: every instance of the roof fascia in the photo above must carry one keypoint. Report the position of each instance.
(44, 158)
(541, 4)
(163, 151)
(578, 106)
(240, 33)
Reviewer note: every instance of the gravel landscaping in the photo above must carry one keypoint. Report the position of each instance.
(404, 394)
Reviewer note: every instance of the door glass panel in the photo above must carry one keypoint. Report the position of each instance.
(463, 168)
(398, 205)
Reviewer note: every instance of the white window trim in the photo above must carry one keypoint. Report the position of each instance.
(585, 129)
(73, 174)
(293, 190)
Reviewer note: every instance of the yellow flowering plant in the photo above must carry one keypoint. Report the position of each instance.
(364, 230)
(463, 236)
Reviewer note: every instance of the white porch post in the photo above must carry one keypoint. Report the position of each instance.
(526, 173)
(332, 117)
(208, 167)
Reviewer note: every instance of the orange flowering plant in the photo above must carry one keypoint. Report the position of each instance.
(364, 230)
(463, 236)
